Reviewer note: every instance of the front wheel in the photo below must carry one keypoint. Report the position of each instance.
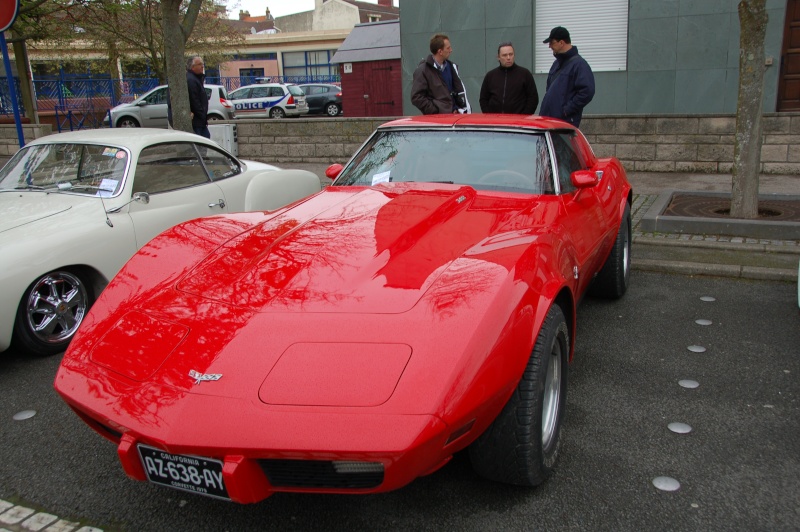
(50, 312)
(127, 121)
(613, 280)
(277, 112)
(332, 109)
(522, 444)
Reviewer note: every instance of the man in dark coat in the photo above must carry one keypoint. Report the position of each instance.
(198, 100)
(570, 83)
(509, 88)
(436, 86)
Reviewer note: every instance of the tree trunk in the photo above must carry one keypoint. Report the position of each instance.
(176, 34)
(174, 48)
(25, 83)
(747, 146)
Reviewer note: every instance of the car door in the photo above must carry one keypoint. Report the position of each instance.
(178, 186)
(315, 98)
(256, 103)
(153, 108)
(584, 218)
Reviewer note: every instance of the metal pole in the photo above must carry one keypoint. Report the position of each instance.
(12, 90)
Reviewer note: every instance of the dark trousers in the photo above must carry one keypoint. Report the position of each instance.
(202, 131)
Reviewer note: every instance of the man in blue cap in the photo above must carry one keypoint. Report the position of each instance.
(570, 83)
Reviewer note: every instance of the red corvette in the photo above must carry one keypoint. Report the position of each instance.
(351, 342)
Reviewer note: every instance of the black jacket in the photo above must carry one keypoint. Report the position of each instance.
(198, 101)
(509, 90)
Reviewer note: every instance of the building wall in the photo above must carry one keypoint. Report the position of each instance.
(683, 55)
(327, 15)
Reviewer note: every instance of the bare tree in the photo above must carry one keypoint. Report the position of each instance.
(747, 147)
(37, 20)
(178, 32)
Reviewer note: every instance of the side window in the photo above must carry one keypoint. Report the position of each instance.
(315, 90)
(259, 92)
(568, 160)
(208, 93)
(218, 164)
(168, 167)
(276, 91)
(158, 97)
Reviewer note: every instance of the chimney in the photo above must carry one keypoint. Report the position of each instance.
(385, 3)
(244, 14)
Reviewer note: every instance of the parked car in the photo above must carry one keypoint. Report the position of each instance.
(75, 206)
(150, 109)
(323, 98)
(422, 304)
(273, 100)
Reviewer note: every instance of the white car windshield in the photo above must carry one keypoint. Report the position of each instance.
(89, 169)
(483, 159)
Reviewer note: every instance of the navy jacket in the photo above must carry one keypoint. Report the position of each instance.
(570, 87)
(198, 101)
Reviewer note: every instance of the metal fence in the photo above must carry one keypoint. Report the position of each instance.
(84, 103)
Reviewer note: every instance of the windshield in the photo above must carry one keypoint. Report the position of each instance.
(88, 169)
(482, 159)
(296, 91)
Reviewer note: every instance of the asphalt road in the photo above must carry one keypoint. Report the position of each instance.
(739, 467)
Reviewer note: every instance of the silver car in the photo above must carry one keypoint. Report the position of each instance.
(150, 109)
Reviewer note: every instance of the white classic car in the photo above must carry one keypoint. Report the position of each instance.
(74, 207)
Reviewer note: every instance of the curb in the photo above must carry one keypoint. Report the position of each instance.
(702, 244)
(716, 270)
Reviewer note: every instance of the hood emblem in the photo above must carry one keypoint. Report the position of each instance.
(200, 377)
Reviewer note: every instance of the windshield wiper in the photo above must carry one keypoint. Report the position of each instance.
(29, 187)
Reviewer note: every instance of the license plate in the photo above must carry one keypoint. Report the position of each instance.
(189, 473)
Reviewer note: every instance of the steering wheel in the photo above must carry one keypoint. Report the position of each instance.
(508, 178)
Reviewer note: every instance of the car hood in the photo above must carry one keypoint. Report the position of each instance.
(360, 250)
(23, 208)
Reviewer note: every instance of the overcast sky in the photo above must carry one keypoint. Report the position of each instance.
(278, 8)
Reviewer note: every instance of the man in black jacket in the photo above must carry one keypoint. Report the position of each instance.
(508, 88)
(198, 100)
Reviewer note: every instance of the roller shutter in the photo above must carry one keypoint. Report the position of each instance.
(599, 28)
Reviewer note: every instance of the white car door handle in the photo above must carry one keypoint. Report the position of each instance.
(220, 204)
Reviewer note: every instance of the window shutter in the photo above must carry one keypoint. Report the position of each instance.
(599, 28)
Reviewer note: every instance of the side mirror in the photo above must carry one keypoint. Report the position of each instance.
(584, 179)
(333, 171)
(141, 197)
(142, 103)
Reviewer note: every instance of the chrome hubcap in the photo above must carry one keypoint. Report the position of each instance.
(56, 307)
(552, 395)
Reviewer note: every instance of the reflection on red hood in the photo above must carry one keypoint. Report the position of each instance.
(371, 250)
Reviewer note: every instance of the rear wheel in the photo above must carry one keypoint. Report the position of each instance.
(332, 109)
(50, 312)
(127, 121)
(277, 112)
(522, 445)
(613, 280)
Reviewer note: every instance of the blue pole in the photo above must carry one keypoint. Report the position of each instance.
(12, 90)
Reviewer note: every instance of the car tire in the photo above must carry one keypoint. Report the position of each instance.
(613, 280)
(50, 311)
(127, 121)
(277, 112)
(332, 109)
(522, 444)
(212, 118)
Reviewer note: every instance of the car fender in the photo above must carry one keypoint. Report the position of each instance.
(271, 190)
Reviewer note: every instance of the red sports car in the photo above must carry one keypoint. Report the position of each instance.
(351, 342)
